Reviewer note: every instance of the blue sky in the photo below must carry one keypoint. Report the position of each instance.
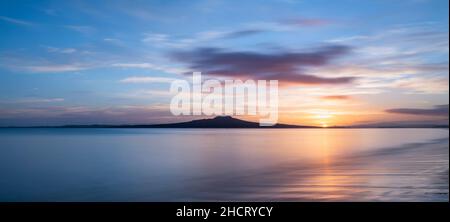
(82, 62)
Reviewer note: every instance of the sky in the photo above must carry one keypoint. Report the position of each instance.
(343, 62)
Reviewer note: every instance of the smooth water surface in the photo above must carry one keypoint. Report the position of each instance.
(224, 164)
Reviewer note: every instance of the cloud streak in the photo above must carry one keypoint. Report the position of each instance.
(336, 97)
(83, 29)
(440, 110)
(15, 21)
(61, 50)
(305, 22)
(242, 33)
(170, 41)
(55, 68)
(33, 100)
(143, 79)
(150, 66)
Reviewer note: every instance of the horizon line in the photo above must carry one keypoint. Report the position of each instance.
(276, 126)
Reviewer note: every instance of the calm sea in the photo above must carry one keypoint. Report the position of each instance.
(224, 164)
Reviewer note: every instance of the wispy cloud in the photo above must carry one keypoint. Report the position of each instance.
(151, 66)
(33, 100)
(196, 39)
(83, 29)
(420, 84)
(55, 68)
(20, 62)
(60, 50)
(305, 22)
(411, 58)
(147, 79)
(115, 41)
(16, 21)
(169, 41)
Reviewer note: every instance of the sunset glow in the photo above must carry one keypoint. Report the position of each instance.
(336, 65)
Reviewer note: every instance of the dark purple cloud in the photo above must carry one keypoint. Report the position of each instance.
(440, 110)
(287, 67)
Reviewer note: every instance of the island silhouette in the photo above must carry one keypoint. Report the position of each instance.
(216, 122)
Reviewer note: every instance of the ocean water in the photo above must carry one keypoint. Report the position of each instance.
(224, 164)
